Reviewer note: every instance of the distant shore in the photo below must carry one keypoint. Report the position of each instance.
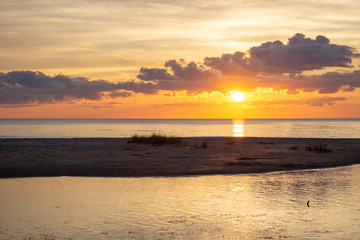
(115, 157)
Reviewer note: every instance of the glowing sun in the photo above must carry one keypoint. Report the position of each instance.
(237, 96)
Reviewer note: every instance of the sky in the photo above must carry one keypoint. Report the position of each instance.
(179, 59)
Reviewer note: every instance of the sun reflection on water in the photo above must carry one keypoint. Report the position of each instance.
(238, 128)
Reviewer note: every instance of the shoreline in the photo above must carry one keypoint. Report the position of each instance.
(189, 175)
(115, 157)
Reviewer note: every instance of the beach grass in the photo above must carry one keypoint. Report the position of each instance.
(318, 148)
(203, 144)
(207, 155)
(156, 139)
(293, 148)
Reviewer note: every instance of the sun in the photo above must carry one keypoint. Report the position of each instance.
(237, 96)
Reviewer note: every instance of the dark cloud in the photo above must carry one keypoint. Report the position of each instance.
(180, 71)
(151, 74)
(122, 94)
(330, 82)
(272, 64)
(299, 54)
(179, 75)
(230, 64)
(139, 87)
(188, 72)
(26, 87)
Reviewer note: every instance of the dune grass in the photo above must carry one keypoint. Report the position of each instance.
(203, 144)
(156, 139)
(318, 148)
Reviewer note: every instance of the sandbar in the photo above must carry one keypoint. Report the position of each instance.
(116, 157)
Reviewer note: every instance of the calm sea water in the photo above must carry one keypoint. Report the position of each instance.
(263, 206)
(74, 128)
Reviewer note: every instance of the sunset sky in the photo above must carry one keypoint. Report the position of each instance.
(179, 59)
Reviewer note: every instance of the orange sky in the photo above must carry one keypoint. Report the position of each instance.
(176, 59)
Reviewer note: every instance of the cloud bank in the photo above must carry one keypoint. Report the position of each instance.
(24, 87)
(299, 54)
(272, 64)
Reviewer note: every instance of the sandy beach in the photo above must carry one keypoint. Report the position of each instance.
(116, 157)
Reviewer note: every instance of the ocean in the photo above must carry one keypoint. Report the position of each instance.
(247, 206)
(113, 128)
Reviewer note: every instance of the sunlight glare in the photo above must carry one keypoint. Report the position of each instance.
(237, 96)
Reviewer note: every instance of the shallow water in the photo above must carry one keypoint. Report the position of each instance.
(69, 128)
(271, 206)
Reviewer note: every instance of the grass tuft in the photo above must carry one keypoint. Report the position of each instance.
(319, 148)
(157, 139)
(204, 144)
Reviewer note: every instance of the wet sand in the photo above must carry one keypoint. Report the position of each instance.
(115, 157)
